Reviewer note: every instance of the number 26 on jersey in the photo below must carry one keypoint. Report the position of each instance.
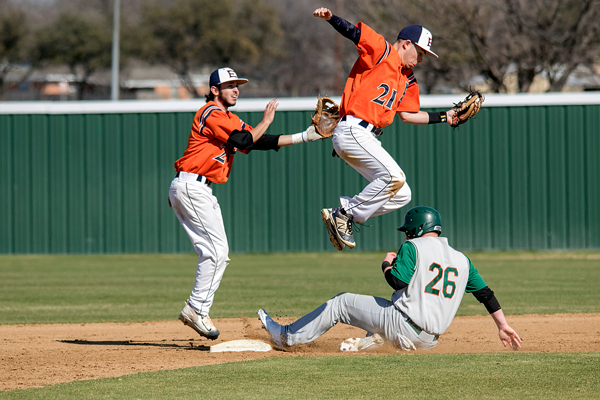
(447, 286)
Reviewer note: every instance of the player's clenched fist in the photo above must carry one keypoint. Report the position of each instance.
(323, 13)
(390, 257)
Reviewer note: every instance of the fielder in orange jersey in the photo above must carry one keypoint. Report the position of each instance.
(216, 136)
(381, 85)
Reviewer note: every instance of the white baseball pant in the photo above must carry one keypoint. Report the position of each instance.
(373, 314)
(198, 211)
(387, 190)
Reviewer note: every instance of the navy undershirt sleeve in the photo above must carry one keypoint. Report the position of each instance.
(348, 30)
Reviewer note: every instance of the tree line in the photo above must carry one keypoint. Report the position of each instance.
(288, 52)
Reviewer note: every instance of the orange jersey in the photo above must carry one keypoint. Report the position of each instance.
(207, 152)
(378, 87)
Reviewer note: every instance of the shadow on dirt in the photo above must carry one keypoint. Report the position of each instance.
(190, 345)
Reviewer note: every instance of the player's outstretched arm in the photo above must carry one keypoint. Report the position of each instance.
(508, 336)
(424, 118)
(309, 135)
(414, 118)
(323, 13)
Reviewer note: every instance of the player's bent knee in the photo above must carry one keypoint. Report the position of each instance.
(406, 193)
(396, 183)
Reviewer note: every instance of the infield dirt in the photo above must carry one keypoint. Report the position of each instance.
(41, 355)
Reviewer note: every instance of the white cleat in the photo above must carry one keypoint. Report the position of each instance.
(200, 323)
(272, 328)
(331, 230)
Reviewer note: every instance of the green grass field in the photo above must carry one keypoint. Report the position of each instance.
(119, 288)
(443, 376)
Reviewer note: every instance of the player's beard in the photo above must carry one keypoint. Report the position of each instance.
(225, 101)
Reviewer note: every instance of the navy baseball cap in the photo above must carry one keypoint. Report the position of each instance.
(223, 75)
(419, 36)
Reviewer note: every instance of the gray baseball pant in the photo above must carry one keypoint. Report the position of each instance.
(373, 314)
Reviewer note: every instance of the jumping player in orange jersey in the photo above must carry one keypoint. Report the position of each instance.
(216, 135)
(381, 84)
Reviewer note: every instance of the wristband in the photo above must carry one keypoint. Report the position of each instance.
(437, 117)
(298, 138)
(384, 265)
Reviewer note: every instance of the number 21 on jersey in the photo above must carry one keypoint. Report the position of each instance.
(382, 99)
(447, 287)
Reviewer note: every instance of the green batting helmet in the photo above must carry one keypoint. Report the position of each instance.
(420, 220)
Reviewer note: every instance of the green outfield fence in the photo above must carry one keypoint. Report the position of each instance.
(93, 177)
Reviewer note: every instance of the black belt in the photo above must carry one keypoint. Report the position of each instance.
(200, 179)
(376, 131)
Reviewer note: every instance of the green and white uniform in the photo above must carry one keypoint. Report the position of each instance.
(399, 321)
(437, 276)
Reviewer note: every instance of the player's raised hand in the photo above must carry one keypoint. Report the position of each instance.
(508, 336)
(323, 13)
(269, 113)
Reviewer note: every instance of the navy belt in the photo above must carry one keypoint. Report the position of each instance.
(200, 178)
(374, 130)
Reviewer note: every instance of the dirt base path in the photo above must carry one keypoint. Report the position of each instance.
(41, 355)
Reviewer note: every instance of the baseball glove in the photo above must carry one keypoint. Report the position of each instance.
(326, 118)
(467, 109)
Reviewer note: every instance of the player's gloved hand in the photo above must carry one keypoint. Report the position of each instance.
(311, 135)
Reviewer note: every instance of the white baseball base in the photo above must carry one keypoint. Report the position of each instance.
(240, 345)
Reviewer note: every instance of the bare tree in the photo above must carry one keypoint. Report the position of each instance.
(495, 39)
(498, 41)
(388, 17)
(563, 35)
(311, 61)
(548, 38)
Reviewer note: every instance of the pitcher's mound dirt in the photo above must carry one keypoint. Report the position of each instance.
(40, 355)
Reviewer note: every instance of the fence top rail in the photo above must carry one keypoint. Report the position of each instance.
(285, 104)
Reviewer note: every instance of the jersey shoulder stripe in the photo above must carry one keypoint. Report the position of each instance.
(386, 53)
(205, 114)
(411, 79)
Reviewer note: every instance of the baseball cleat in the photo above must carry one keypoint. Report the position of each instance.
(272, 327)
(329, 224)
(200, 323)
(343, 227)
